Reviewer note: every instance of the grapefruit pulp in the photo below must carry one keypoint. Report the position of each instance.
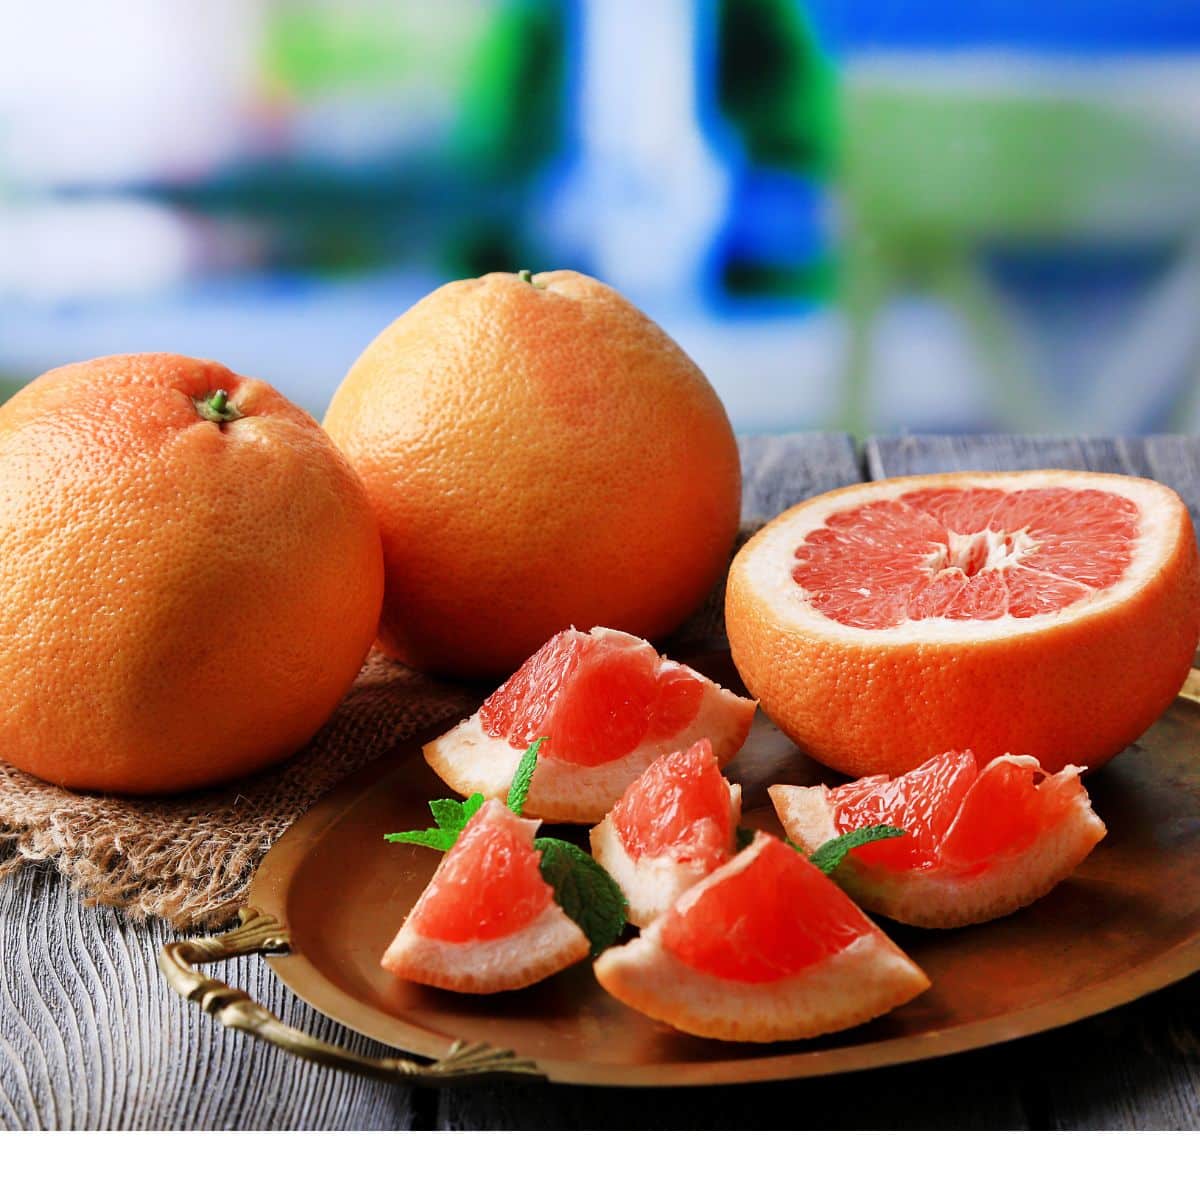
(979, 844)
(607, 704)
(487, 921)
(764, 949)
(1055, 612)
(674, 825)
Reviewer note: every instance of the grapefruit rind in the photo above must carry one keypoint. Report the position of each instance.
(548, 944)
(469, 760)
(651, 883)
(943, 897)
(1074, 685)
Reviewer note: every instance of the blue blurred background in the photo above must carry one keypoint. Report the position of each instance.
(865, 214)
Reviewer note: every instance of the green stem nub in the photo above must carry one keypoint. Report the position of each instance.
(219, 401)
(216, 406)
(525, 276)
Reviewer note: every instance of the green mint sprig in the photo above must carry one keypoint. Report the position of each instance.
(828, 856)
(583, 889)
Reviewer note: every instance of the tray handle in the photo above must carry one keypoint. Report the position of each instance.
(260, 933)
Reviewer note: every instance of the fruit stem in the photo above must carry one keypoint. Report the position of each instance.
(525, 276)
(216, 407)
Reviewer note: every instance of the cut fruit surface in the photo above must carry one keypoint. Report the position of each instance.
(978, 844)
(607, 704)
(487, 921)
(674, 825)
(1054, 611)
(765, 948)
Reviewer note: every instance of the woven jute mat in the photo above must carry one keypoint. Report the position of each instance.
(189, 858)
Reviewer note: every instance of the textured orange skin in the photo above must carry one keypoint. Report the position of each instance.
(181, 601)
(538, 456)
(1075, 693)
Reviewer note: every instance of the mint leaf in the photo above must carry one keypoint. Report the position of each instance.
(584, 890)
(742, 838)
(519, 789)
(828, 857)
(451, 817)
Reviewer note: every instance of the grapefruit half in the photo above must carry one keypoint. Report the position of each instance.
(979, 844)
(675, 824)
(487, 921)
(764, 949)
(608, 706)
(1051, 612)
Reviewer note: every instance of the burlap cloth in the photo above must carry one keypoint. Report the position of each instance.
(189, 858)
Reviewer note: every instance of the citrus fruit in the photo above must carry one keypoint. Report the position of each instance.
(978, 844)
(608, 706)
(539, 454)
(764, 949)
(674, 825)
(487, 921)
(1054, 613)
(190, 575)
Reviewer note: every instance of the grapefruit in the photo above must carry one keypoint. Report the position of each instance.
(190, 575)
(674, 825)
(1050, 612)
(764, 949)
(539, 454)
(487, 921)
(979, 844)
(608, 706)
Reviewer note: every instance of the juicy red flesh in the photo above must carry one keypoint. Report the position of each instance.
(678, 807)
(953, 814)
(594, 699)
(763, 923)
(489, 884)
(966, 554)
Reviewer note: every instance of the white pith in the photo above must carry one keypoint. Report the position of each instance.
(651, 884)
(766, 562)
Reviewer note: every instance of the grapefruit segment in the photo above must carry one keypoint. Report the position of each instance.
(1055, 611)
(979, 844)
(487, 921)
(674, 825)
(607, 704)
(764, 949)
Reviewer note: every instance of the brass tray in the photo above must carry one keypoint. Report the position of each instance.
(332, 894)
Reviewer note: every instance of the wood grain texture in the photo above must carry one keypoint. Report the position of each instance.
(92, 1038)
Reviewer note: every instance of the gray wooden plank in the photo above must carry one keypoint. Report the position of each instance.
(779, 470)
(91, 1036)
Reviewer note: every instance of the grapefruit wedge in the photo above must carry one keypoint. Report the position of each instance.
(674, 825)
(607, 705)
(1052, 611)
(764, 949)
(487, 921)
(979, 844)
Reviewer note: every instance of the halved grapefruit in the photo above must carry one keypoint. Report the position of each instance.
(608, 706)
(1055, 612)
(979, 844)
(764, 949)
(487, 921)
(675, 824)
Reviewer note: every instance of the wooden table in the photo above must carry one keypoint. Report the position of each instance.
(92, 1038)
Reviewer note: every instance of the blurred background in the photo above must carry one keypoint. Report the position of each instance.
(861, 214)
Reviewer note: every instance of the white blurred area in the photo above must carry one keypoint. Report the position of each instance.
(105, 105)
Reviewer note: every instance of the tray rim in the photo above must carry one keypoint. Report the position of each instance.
(272, 882)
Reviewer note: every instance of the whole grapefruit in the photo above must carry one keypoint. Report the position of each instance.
(539, 454)
(190, 575)
(1046, 613)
